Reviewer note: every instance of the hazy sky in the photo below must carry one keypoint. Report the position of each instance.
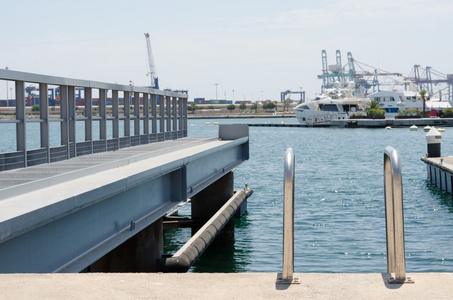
(257, 48)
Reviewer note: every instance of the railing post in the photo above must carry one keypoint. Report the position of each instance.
(21, 117)
(116, 118)
(288, 220)
(394, 217)
(44, 115)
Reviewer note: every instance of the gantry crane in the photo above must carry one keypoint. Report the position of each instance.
(152, 68)
(425, 78)
(363, 80)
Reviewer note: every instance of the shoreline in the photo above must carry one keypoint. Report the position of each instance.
(254, 116)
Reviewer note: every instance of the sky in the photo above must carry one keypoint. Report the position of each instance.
(210, 48)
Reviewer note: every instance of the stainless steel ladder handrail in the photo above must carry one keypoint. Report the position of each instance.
(286, 276)
(394, 217)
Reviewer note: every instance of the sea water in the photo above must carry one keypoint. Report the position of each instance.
(339, 202)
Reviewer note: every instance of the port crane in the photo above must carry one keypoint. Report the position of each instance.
(283, 95)
(152, 68)
(425, 78)
(364, 80)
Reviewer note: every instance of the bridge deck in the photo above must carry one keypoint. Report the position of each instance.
(65, 215)
(19, 179)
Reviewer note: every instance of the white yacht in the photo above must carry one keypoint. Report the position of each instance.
(397, 100)
(337, 103)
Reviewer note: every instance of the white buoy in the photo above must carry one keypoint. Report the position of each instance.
(441, 129)
(216, 123)
(413, 128)
(388, 128)
(427, 128)
(207, 123)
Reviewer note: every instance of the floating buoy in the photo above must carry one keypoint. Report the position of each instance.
(207, 123)
(441, 129)
(216, 123)
(388, 128)
(427, 128)
(283, 122)
(413, 128)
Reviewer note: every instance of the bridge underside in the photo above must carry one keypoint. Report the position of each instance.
(64, 216)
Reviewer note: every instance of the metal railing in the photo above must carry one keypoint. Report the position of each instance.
(394, 217)
(154, 115)
(288, 219)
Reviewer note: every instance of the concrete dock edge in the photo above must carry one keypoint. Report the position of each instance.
(222, 286)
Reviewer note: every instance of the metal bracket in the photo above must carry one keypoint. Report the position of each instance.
(280, 280)
(400, 281)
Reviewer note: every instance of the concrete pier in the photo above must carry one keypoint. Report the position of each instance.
(222, 286)
(440, 172)
(365, 123)
(382, 123)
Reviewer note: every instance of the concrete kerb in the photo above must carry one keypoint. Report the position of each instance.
(222, 286)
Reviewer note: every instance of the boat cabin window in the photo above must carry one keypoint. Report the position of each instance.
(304, 107)
(328, 107)
(351, 107)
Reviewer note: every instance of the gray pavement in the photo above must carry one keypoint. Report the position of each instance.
(221, 286)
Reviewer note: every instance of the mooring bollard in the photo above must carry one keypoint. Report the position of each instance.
(286, 276)
(434, 139)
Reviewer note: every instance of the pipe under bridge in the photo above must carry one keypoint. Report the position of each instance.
(99, 204)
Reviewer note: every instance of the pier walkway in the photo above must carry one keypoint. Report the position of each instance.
(209, 286)
(85, 187)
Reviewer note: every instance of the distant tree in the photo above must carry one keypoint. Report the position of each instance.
(375, 109)
(286, 104)
(35, 107)
(423, 94)
(211, 107)
(254, 107)
(192, 107)
(269, 105)
(243, 106)
(231, 107)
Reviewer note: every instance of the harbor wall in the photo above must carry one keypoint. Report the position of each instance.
(440, 172)
(382, 123)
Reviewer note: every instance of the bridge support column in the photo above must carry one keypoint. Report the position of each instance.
(138, 254)
(207, 202)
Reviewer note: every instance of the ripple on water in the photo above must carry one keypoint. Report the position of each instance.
(339, 202)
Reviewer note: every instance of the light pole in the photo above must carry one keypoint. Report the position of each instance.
(262, 99)
(131, 84)
(233, 96)
(7, 100)
(216, 84)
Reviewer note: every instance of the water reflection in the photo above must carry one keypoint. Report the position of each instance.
(445, 199)
(227, 256)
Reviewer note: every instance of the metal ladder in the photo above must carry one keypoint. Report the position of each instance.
(286, 277)
(394, 219)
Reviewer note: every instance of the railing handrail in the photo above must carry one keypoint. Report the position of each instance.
(11, 75)
(394, 216)
(288, 219)
(155, 122)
